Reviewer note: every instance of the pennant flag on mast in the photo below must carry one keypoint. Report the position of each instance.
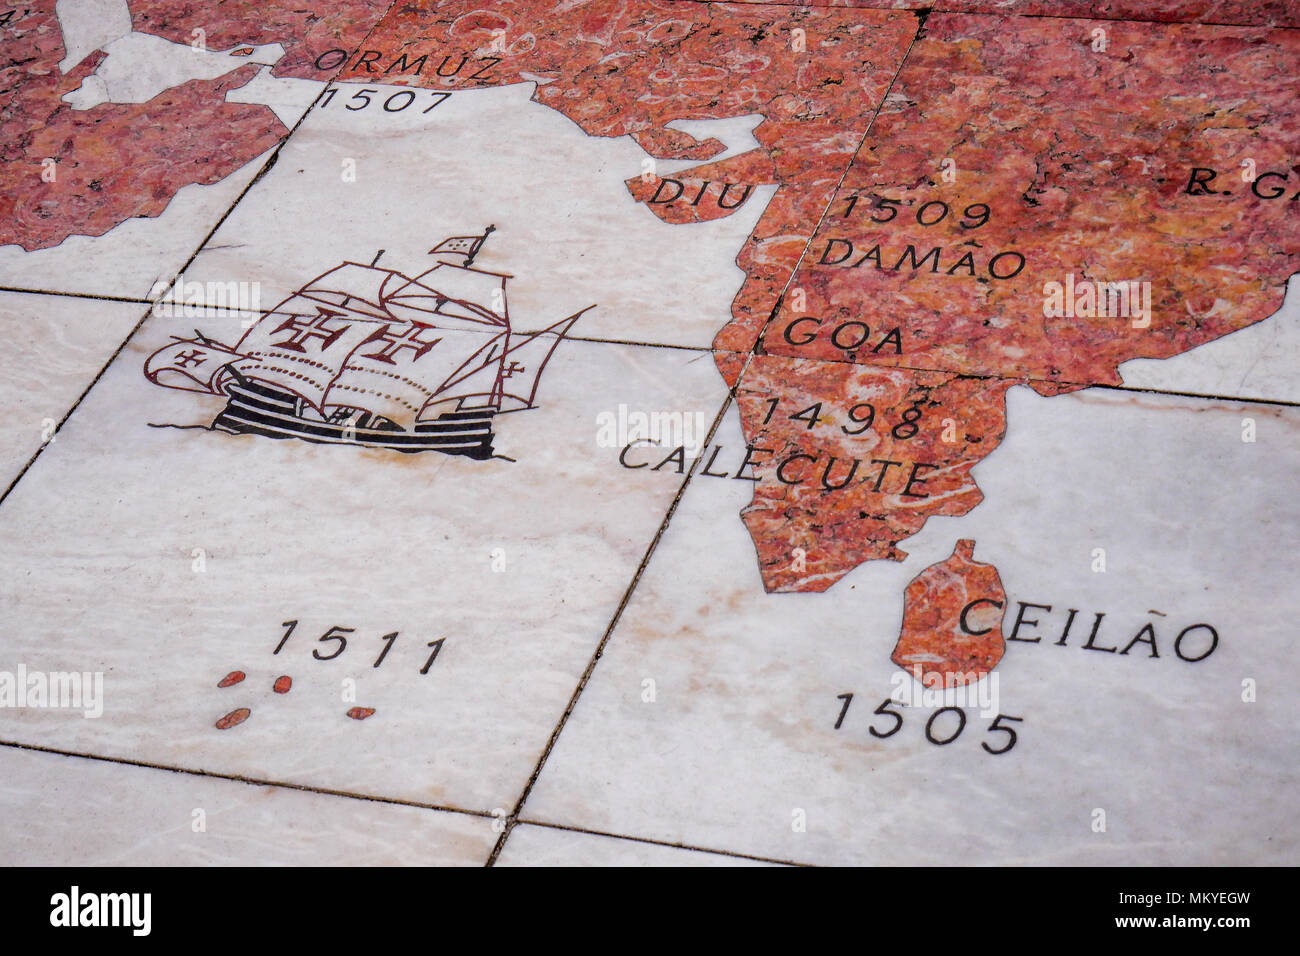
(467, 246)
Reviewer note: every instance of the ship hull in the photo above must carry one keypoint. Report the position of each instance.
(257, 409)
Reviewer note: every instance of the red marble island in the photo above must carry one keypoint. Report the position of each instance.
(952, 621)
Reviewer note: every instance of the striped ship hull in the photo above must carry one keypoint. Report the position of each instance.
(256, 409)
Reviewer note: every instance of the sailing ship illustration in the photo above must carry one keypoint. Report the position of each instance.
(364, 355)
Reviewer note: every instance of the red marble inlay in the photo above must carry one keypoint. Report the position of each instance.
(113, 162)
(1275, 13)
(814, 519)
(233, 719)
(618, 68)
(702, 193)
(1083, 158)
(952, 621)
(306, 30)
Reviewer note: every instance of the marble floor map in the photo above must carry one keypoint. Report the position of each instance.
(655, 433)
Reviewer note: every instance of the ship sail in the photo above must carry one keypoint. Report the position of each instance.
(398, 369)
(193, 365)
(302, 345)
(453, 291)
(504, 372)
(437, 320)
(475, 383)
(356, 288)
(526, 359)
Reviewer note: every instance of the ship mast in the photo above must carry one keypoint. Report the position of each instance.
(478, 244)
(499, 386)
(467, 246)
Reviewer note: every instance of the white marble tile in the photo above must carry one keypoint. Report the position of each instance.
(531, 845)
(1255, 362)
(73, 811)
(710, 718)
(167, 558)
(399, 169)
(54, 348)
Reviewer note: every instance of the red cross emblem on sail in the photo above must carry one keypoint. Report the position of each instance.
(317, 328)
(193, 356)
(394, 343)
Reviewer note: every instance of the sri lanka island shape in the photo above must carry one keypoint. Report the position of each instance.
(952, 621)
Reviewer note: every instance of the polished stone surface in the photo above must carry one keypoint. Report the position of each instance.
(459, 434)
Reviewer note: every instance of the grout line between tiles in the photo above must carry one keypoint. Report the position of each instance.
(672, 508)
(663, 843)
(940, 7)
(921, 16)
(76, 295)
(266, 167)
(217, 312)
(1203, 395)
(512, 819)
(705, 349)
(372, 798)
(1071, 386)
(251, 781)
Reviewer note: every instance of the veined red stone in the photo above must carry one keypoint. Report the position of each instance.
(952, 621)
(360, 713)
(233, 719)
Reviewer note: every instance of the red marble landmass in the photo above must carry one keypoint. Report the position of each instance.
(1267, 13)
(707, 192)
(1083, 158)
(619, 68)
(810, 523)
(306, 30)
(946, 607)
(851, 4)
(674, 144)
(115, 161)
